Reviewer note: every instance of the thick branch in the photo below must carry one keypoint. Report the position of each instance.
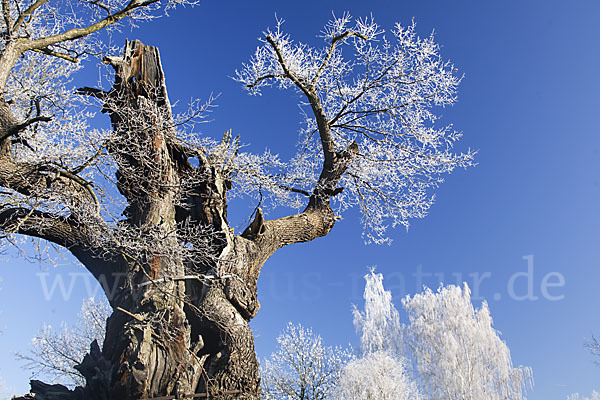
(56, 54)
(15, 129)
(315, 221)
(331, 175)
(30, 179)
(43, 225)
(102, 261)
(77, 33)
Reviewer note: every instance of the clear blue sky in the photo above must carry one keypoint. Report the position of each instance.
(529, 103)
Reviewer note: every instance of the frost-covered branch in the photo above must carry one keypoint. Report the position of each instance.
(378, 92)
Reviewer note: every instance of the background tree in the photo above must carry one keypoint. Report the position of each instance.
(380, 372)
(379, 324)
(376, 376)
(455, 351)
(447, 350)
(55, 353)
(302, 368)
(182, 285)
(594, 396)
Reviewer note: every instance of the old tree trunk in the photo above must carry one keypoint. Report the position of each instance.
(182, 285)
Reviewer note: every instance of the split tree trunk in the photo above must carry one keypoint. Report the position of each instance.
(183, 287)
(180, 324)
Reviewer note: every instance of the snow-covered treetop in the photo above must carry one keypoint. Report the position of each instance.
(456, 352)
(379, 324)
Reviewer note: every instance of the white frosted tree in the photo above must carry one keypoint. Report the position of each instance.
(380, 372)
(576, 396)
(447, 350)
(368, 98)
(302, 368)
(55, 352)
(455, 351)
(378, 325)
(375, 376)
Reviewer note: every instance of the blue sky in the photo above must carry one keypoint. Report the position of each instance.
(528, 103)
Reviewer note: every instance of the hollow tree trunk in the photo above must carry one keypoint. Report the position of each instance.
(181, 321)
(183, 287)
(181, 293)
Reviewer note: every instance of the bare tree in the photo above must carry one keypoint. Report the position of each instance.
(55, 353)
(182, 285)
(302, 368)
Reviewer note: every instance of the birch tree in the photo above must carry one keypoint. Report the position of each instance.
(378, 325)
(446, 350)
(381, 370)
(143, 206)
(455, 351)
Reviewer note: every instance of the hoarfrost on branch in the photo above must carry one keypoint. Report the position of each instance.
(372, 90)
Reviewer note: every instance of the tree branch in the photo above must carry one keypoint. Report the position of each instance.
(315, 103)
(28, 12)
(57, 54)
(15, 129)
(56, 229)
(294, 190)
(334, 42)
(77, 33)
(317, 219)
(262, 78)
(29, 179)
(285, 68)
(92, 92)
(7, 19)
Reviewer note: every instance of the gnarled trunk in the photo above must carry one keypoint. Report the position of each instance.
(180, 325)
(183, 287)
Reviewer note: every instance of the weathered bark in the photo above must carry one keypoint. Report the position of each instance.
(180, 322)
